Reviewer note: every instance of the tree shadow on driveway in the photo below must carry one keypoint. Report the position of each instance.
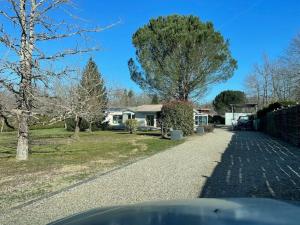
(255, 165)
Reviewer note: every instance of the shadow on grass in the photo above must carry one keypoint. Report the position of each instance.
(152, 134)
(255, 165)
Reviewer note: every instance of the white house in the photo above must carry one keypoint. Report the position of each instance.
(238, 110)
(146, 115)
(116, 117)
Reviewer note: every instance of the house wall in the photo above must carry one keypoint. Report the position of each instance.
(109, 118)
(200, 114)
(141, 118)
(231, 118)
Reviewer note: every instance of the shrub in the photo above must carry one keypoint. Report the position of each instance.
(276, 105)
(83, 125)
(177, 115)
(131, 125)
(208, 128)
(218, 119)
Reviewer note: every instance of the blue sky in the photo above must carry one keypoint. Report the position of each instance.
(253, 27)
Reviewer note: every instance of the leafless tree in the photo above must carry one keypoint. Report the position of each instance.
(72, 100)
(277, 80)
(291, 66)
(34, 24)
(7, 105)
(119, 97)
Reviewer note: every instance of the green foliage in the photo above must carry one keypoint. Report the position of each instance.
(223, 100)
(131, 125)
(179, 56)
(93, 88)
(83, 124)
(217, 119)
(178, 115)
(276, 105)
(155, 99)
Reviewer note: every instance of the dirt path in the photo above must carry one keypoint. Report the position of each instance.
(173, 174)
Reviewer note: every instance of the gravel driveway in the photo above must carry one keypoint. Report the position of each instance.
(256, 165)
(219, 164)
(177, 173)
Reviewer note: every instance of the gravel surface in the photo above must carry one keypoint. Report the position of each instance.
(178, 173)
(256, 165)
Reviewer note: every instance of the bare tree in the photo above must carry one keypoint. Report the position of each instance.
(73, 100)
(291, 66)
(7, 105)
(34, 24)
(277, 80)
(253, 87)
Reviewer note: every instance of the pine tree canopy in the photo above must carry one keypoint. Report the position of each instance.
(93, 85)
(179, 56)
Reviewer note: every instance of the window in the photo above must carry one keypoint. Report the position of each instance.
(131, 116)
(117, 119)
(150, 120)
(203, 120)
(200, 120)
(196, 120)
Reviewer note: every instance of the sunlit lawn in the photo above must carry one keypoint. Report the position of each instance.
(57, 160)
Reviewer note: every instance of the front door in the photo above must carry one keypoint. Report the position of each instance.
(150, 120)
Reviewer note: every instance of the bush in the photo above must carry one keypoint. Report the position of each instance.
(83, 125)
(178, 115)
(131, 125)
(208, 128)
(218, 119)
(273, 106)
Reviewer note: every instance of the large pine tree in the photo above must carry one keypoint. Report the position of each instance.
(93, 92)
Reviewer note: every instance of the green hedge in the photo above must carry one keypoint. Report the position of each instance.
(84, 125)
(178, 115)
(283, 123)
(273, 106)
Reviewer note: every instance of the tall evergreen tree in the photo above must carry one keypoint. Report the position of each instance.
(93, 82)
(93, 91)
(155, 99)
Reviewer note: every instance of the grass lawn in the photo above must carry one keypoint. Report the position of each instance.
(57, 160)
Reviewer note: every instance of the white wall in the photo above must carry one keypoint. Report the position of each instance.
(109, 118)
(231, 118)
(141, 118)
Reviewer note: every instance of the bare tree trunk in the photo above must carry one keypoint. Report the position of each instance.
(77, 128)
(90, 126)
(65, 123)
(2, 125)
(23, 147)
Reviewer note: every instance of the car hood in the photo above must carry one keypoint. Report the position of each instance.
(245, 211)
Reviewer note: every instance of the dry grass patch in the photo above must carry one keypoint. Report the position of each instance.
(57, 160)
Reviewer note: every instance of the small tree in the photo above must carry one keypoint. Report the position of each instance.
(177, 115)
(225, 98)
(131, 125)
